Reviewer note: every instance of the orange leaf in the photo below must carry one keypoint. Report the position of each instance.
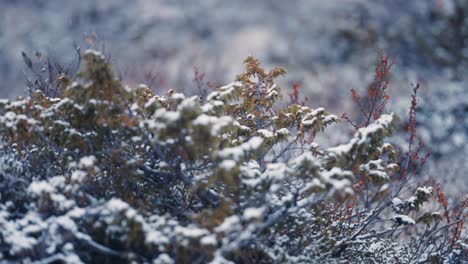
(90, 40)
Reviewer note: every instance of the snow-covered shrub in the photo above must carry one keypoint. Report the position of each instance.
(114, 174)
(15, 177)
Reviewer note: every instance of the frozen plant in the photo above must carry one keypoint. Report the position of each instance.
(114, 174)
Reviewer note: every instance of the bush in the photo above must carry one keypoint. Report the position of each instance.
(110, 174)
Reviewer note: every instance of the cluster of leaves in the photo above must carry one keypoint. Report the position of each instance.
(113, 174)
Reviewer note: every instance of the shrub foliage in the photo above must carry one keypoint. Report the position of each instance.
(110, 174)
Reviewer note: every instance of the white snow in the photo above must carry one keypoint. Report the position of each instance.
(40, 187)
(227, 165)
(253, 213)
(282, 132)
(235, 153)
(209, 240)
(115, 204)
(87, 161)
(163, 258)
(191, 231)
(363, 135)
(94, 53)
(168, 116)
(265, 133)
(230, 223)
(216, 123)
(276, 171)
(339, 180)
(156, 237)
(224, 92)
(397, 204)
(78, 175)
(403, 219)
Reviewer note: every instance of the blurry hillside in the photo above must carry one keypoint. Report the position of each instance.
(328, 46)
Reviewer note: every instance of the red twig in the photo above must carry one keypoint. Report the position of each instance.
(413, 158)
(373, 105)
(294, 95)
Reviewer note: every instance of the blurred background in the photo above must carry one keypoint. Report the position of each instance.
(328, 47)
